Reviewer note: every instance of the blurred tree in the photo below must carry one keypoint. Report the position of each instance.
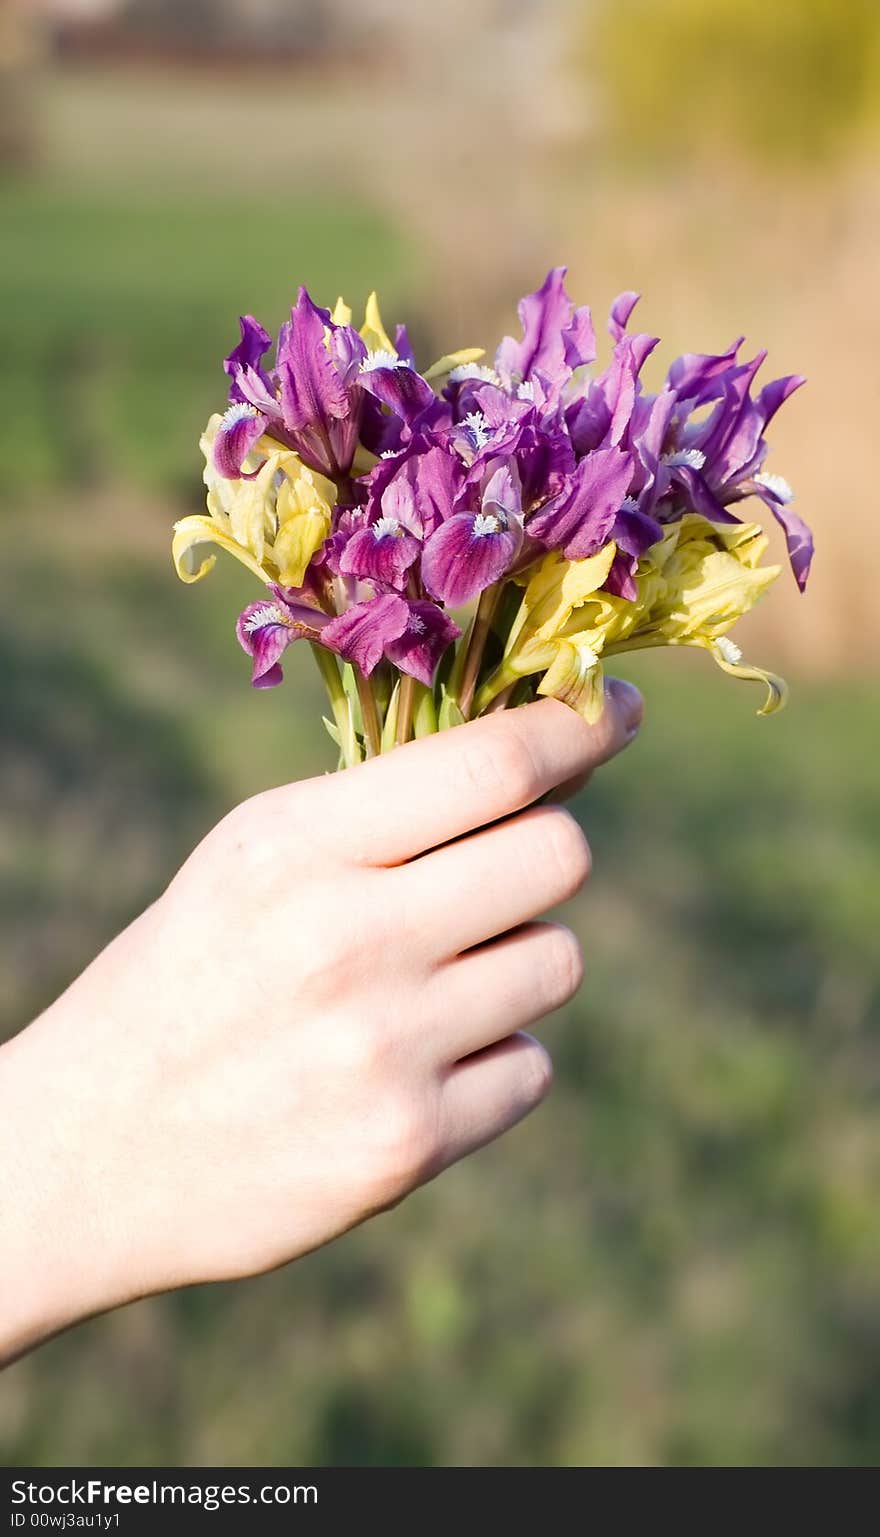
(794, 80)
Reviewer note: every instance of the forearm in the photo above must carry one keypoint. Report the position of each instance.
(59, 1239)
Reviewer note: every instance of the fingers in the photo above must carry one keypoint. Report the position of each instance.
(631, 703)
(488, 1093)
(494, 880)
(490, 992)
(428, 792)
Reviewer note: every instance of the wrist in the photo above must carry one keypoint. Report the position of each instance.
(62, 1259)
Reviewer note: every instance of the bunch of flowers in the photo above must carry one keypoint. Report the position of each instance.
(455, 541)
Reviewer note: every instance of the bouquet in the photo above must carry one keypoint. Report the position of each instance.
(456, 541)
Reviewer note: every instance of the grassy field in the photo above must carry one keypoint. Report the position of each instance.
(677, 1260)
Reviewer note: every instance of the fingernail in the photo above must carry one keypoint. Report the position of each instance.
(629, 702)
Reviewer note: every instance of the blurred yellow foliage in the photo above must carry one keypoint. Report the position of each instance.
(792, 80)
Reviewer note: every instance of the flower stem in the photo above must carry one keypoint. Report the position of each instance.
(475, 646)
(328, 667)
(425, 712)
(369, 714)
(500, 679)
(405, 708)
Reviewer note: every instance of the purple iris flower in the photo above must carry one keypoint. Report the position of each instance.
(580, 518)
(728, 447)
(266, 629)
(419, 485)
(382, 552)
(557, 338)
(473, 548)
(429, 631)
(413, 635)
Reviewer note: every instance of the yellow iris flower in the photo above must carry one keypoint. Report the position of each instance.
(692, 588)
(273, 523)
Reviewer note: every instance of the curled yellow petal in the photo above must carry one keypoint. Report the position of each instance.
(452, 360)
(728, 656)
(341, 315)
(192, 553)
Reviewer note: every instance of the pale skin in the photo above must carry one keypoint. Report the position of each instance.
(326, 1008)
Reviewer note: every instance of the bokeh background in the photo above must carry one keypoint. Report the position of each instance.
(678, 1260)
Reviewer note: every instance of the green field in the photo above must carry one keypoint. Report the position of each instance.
(677, 1259)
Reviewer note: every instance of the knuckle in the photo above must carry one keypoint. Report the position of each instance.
(568, 847)
(361, 1049)
(502, 763)
(404, 1149)
(565, 964)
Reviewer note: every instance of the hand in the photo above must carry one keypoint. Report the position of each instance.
(322, 1011)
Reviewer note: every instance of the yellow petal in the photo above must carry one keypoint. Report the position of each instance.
(296, 542)
(555, 587)
(341, 313)
(777, 688)
(452, 360)
(576, 677)
(372, 331)
(192, 555)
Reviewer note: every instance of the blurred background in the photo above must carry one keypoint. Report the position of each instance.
(678, 1260)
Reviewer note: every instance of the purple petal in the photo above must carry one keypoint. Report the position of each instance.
(429, 630)
(634, 532)
(798, 536)
(312, 391)
(464, 557)
(775, 394)
(376, 555)
(363, 633)
(556, 337)
(240, 429)
(621, 579)
(399, 388)
(700, 496)
(621, 310)
(403, 345)
(255, 343)
(602, 416)
(579, 339)
(419, 486)
(580, 519)
(693, 373)
(266, 629)
(348, 351)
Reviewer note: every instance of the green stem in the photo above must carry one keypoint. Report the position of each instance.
(405, 708)
(369, 715)
(475, 646)
(425, 712)
(328, 667)
(500, 679)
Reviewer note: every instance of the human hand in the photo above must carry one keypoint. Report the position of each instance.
(323, 1010)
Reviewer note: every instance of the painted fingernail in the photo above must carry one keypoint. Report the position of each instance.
(629, 702)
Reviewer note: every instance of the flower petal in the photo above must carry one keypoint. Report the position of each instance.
(192, 554)
(312, 391)
(240, 429)
(576, 677)
(777, 688)
(377, 556)
(462, 558)
(255, 342)
(362, 634)
(621, 309)
(429, 631)
(580, 518)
